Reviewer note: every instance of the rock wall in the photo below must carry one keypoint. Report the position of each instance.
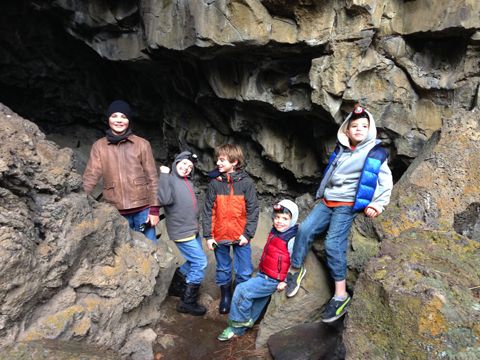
(70, 268)
(419, 299)
(278, 77)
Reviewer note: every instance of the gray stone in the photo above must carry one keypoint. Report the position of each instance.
(283, 312)
(70, 267)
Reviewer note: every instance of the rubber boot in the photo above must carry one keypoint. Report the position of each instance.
(188, 303)
(225, 299)
(178, 284)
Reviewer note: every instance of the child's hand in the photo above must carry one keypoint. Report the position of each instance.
(153, 219)
(371, 212)
(281, 286)
(211, 244)
(164, 169)
(243, 240)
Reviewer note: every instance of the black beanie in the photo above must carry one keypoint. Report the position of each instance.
(121, 107)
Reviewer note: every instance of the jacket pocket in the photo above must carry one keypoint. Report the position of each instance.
(140, 188)
(109, 192)
(141, 180)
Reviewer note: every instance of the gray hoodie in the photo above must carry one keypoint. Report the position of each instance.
(342, 182)
(177, 196)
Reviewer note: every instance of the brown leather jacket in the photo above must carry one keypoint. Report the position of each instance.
(128, 170)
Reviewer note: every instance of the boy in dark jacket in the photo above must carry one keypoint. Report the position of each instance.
(251, 296)
(230, 217)
(177, 195)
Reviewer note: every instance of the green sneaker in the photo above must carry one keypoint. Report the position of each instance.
(335, 309)
(226, 334)
(294, 281)
(240, 324)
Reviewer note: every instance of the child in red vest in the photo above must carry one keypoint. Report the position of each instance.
(251, 296)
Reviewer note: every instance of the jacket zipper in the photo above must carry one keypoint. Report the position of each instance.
(191, 193)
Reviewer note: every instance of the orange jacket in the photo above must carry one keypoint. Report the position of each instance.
(231, 208)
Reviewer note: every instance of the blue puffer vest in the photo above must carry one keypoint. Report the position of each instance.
(368, 179)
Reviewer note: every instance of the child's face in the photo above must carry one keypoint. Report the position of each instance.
(225, 166)
(281, 222)
(118, 122)
(357, 130)
(184, 167)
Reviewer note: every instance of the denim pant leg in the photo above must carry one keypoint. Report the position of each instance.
(223, 274)
(250, 297)
(242, 262)
(314, 224)
(137, 219)
(336, 241)
(196, 259)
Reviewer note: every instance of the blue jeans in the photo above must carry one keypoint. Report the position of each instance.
(337, 221)
(249, 299)
(137, 219)
(196, 260)
(242, 263)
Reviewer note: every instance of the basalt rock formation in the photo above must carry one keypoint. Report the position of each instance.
(420, 298)
(278, 77)
(70, 267)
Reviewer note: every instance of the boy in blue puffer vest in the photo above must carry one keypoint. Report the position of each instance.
(251, 296)
(357, 178)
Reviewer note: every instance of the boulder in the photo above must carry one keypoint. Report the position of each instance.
(71, 268)
(419, 297)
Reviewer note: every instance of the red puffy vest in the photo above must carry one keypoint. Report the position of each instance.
(275, 259)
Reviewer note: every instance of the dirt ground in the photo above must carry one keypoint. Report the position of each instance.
(185, 337)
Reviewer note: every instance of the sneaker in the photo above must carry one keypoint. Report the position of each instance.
(293, 282)
(240, 324)
(335, 309)
(226, 334)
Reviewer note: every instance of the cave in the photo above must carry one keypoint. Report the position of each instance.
(181, 99)
(278, 78)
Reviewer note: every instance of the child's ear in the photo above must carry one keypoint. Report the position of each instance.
(235, 163)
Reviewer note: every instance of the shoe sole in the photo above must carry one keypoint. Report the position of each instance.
(295, 290)
(186, 311)
(226, 339)
(248, 325)
(335, 317)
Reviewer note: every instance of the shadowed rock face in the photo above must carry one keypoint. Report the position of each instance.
(70, 267)
(275, 76)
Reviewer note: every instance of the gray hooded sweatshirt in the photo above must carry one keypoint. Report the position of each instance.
(177, 196)
(342, 181)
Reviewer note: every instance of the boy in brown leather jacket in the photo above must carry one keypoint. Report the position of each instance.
(125, 162)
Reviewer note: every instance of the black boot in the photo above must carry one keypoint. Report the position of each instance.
(188, 303)
(225, 299)
(178, 284)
